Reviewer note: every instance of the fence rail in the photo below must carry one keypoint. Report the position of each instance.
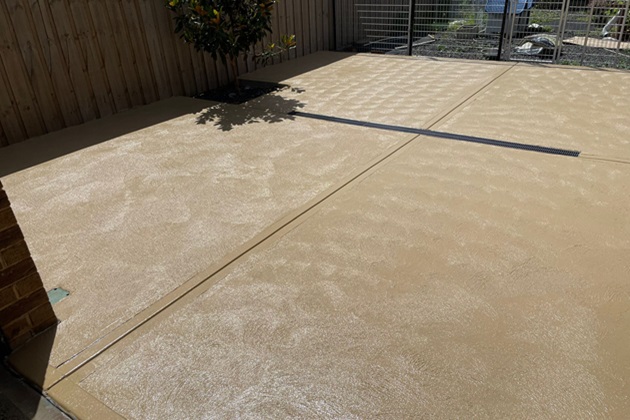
(65, 62)
(574, 32)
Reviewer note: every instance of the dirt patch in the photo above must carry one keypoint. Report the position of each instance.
(447, 46)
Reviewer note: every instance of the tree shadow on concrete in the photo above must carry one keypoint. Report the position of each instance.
(269, 109)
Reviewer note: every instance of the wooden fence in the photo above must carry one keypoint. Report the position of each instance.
(348, 27)
(65, 62)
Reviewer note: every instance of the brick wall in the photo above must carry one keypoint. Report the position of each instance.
(24, 306)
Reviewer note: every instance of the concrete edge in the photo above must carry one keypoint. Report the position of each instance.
(81, 404)
(82, 366)
(172, 299)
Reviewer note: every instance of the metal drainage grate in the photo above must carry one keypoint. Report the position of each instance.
(442, 135)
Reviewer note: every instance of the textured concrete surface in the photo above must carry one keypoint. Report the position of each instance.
(124, 222)
(20, 402)
(444, 280)
(387, 90)
(454, 281)
(564, 107)
(578, 109)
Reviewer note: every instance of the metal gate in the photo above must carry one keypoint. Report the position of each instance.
(574, 32)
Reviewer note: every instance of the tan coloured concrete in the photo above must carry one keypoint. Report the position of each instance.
(448, 280)
(388, 90)
(124, 222)
(20, 402)
(579, 109)
(297, 67)
(455, 281)
(43, 149)
(575, 108)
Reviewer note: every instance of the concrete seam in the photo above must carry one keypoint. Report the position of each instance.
(607, 159)
(469, 99)
(81, 359)
(69, 367)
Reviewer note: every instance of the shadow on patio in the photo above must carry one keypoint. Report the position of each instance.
(17, 399)
(242, 261)
(226, 117)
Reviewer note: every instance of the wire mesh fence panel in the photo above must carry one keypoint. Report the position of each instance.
(442, 28)
(456, 28)
(596, 34)
(384, 25)
(573, 32)
(534, 29)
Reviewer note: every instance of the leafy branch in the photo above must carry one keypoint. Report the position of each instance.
(227, 29)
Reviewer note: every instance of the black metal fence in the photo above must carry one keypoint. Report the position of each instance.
(574, 32)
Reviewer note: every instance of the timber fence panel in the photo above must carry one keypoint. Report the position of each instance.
(66, 62)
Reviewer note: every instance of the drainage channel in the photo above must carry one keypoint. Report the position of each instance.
(442, 135)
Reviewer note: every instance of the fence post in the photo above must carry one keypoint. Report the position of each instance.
(588, 31)
(560, 34)
(412, 18)
(506, 6)
(334, 25)
(624, 24)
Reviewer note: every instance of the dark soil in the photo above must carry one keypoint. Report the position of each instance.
(482, 47)
(485, 47)
(249, 90)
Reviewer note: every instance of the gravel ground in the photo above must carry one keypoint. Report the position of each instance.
(447, 46)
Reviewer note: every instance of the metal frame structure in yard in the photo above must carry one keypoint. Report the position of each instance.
(573, 32)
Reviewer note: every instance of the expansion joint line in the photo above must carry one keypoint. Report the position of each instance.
(207, 278)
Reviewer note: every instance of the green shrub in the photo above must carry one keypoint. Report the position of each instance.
(227, 28)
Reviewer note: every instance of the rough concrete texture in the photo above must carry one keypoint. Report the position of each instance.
(124, 222)
(574, 108)
(455, 281)
(19, 402)
(447, 280)
(578, 109)
(379, 89)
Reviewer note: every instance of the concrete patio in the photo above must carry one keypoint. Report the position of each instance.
(392, 250)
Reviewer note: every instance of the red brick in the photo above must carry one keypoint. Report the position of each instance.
(4, 200)
(7, 296)
(7, 219)
(12, 274)
(28, 285)
(23, 306)
(42, 317)
(17, 327)
(16, 342)
(16, 253)
(10, 236)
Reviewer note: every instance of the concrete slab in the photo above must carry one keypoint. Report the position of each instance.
(575, 108)
(411, 92)
(20, 402)
(38, 150)
(263, 265)
(452, 280)
(555, 106)
(124, 222)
